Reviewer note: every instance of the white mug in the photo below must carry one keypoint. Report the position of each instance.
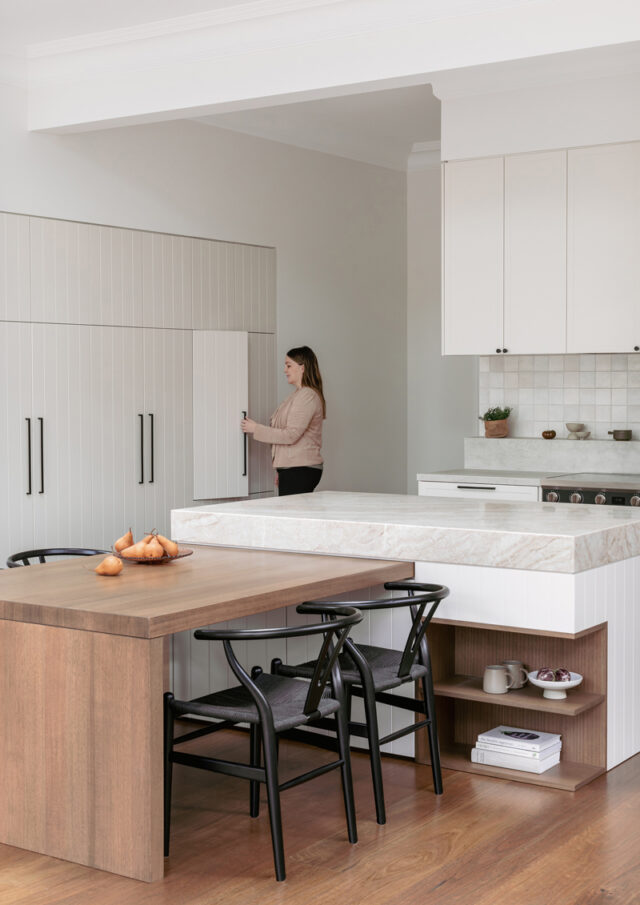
(497, 680)
(517, 672)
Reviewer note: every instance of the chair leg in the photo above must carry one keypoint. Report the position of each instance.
(273, 798)
(432, 730)
(375, 759)
(168, 767)
(342, 731)
(254, 785)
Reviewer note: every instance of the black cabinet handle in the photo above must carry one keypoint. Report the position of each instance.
(505, 350)
(636, 348)
(41, 420)
(244, 469)
(474, 487)
(152, 432)
(141, 417)
(28, 420)
(498, 351)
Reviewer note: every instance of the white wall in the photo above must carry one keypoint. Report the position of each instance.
(441, 395)
(338, 226)
(591, 112)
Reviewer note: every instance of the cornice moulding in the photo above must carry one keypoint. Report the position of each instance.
(424, 155)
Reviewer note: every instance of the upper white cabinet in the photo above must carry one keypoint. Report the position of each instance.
(15, 304)
(535, 253)
(604, 249)
(167, 278)
(504, 255)
(220, 400)
(473, 211)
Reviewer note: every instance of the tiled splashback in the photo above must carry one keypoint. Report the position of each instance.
(545, 391)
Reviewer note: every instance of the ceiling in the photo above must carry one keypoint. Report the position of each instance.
(378, 127)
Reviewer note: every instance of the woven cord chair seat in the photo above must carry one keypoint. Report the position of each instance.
(384, 665)
(286, 699)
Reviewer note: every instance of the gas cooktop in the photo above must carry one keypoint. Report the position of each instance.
(592, 487)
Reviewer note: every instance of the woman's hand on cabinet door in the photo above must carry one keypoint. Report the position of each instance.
(275, 479)
(248, 425)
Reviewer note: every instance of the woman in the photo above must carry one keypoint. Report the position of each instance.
(296, 426)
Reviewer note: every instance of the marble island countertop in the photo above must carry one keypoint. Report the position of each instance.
(541, 537)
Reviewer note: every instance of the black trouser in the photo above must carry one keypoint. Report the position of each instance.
(301, 479)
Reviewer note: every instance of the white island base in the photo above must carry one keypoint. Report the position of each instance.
(546, 610)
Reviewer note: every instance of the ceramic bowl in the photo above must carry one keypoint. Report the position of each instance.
(582, 435)
(574, 426)
(554, 691)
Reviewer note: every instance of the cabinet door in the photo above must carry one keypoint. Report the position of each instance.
(168, 424)
(220, 396)
(603, 311)
(473, 257)
(15, 303)
(82, 273)
(262, 404)
(17, 488)
(167, 279)
(535, 253)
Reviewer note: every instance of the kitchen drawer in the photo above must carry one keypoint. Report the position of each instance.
(471, 490)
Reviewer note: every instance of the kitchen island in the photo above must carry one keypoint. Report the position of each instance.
(551, 585)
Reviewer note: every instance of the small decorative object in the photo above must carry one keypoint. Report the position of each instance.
(583, 435)
(548, 435)
(554, 682)
(621, 434)
(496, 421)
(573, 427)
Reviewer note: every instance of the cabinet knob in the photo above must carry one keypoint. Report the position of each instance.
(498, 351)
(505, 350)
(636, 348)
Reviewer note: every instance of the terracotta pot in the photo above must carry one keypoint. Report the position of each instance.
(496, 429)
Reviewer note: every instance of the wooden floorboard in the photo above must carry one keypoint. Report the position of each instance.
(485, 840)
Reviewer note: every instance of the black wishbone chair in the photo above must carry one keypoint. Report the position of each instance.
(271, 705)
(17, 560)
(371, 672)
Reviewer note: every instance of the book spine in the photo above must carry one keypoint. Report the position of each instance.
(519, 752)
(527, 765)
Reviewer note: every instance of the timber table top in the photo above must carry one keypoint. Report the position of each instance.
(213, 585)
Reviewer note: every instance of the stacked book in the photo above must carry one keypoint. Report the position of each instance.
(517, 749)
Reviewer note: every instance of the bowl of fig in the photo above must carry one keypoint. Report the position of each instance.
(554, 682)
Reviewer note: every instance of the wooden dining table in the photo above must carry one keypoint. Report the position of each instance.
(82, 674)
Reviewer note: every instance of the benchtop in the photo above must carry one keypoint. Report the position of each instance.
(543, 537)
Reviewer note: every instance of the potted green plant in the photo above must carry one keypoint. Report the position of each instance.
(496, 421)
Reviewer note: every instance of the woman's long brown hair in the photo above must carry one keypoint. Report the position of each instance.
(311, 376)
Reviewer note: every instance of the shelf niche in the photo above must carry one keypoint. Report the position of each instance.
(459, 655)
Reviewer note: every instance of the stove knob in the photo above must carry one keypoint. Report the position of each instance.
(635, 500)
(601, 498)
(553, 496)
(576, 497)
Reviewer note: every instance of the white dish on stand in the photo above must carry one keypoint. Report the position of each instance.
(554, 691)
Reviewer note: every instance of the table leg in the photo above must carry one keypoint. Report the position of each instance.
(81, 747)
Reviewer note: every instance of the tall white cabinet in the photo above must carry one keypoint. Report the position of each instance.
(97, 376)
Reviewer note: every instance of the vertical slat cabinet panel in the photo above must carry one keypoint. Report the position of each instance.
(62, 367)
(207, 273)
(114, 469)
(220, 395)
(535, 244)
(168, 420)
(473, 256)
(603, 264)
(65, 272)
(120, 288)
(262, 404)
(167, 280)
(15, 304)
(16, 504)
(266, 288)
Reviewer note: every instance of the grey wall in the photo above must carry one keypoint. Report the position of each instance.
(339, 228)
(442, 392)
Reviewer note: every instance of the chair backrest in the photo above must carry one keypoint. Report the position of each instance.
(24, 559)
(334, 634)
(419, 596)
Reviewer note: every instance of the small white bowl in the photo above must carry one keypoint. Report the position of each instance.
(574, 426)
(555, 691)
(582, 435)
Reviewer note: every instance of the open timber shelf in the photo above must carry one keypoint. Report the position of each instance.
(567, 775)
(469, 688)
(459, 654)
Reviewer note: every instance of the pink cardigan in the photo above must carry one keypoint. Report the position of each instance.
(296, 430)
